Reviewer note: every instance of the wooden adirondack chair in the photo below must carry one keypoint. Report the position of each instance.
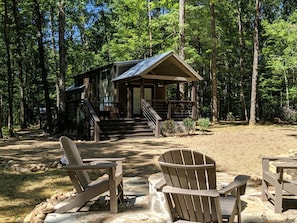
(77, 169)
(190, 188)
(275, 183)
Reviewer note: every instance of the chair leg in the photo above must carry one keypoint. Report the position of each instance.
(278, 202)
(113, 192)
(239, 210)
(264, 190)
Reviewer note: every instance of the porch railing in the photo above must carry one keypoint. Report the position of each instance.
(152, 116)
(173, 109)
(93, 120)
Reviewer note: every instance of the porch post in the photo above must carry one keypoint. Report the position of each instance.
(117, 99)
(129, 102)
(177, 92)
(141, 93)
(194, 101)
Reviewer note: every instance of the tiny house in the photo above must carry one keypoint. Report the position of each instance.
(134, 89)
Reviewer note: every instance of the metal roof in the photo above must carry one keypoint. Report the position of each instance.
(153, 65)
(73, 87)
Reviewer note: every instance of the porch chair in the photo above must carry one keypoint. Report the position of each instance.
(77, 169)
(276, 184)
(190, 187)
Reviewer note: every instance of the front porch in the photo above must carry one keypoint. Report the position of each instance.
(94, 124)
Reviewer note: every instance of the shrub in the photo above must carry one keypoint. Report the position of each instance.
(189, 125)
(5, 131)
(230, 117)
(168, 127)
(203, 123)
(289, 114)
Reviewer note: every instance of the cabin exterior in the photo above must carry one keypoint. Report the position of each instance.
(131, 89)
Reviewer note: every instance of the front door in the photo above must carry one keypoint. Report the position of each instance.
(136, 98)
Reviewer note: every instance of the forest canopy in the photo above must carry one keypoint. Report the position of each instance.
(45, 43)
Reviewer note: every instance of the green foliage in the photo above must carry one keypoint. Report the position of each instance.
(5, 131)
(168, 127)
(189, 125)
(203, 123)
(280, 52)
(101, 32)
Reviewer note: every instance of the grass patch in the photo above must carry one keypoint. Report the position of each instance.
(20, 193)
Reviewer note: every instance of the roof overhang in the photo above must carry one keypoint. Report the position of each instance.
(167, 66)
(75, 88)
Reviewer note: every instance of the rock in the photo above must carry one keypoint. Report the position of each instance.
(15, 167)
(33, 168)
(41, 167)
(54, 164)
(28, 218)
(10, 162)
(24, 170)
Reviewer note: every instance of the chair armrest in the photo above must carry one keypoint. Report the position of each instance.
(105, 165)
(175, 190)
(285, 165)
(237, 183)
(274, 158)
(87, 160)
(159, 186)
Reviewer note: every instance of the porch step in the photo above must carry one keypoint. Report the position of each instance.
(124, 128)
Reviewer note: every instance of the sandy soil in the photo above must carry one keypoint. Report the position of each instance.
(237, 149)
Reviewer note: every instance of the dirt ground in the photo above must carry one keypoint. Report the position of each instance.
(237, 149)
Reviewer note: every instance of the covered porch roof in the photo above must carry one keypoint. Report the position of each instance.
(168, 67)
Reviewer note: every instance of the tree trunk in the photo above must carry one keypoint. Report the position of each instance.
(182, 29)
(9, 70)
(55, 54)
(213, 63)
(287, 89)
(62, 56)
(1, 115)
(252, 120)
(244, 114)
(150, 27)
(38, 15)
(182, 40)
(20, 66)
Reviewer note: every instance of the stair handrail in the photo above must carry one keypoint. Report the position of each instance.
(94, 119)
(152, 116)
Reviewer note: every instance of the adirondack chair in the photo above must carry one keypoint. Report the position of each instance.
(190, 187)
(275, 183)
(77, 169)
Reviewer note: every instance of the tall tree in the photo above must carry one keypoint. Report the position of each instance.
(54, 51)
(20, 65)
(252, 120)
(62, 57)
(1, 115)
(244, 114)
(214, 63)
(6, 34)
(150, 27)
(182, 29)
(42, 66)
(182, 40)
